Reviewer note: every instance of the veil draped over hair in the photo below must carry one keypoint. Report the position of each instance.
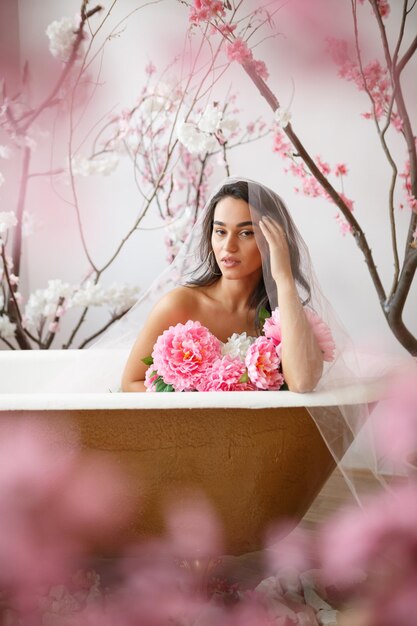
(345, 396)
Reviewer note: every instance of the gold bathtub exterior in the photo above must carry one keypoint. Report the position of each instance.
(256, 466)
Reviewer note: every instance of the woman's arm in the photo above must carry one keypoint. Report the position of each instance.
(173, 308)
(301, 357)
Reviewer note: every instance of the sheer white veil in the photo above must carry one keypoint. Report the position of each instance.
(346, 397)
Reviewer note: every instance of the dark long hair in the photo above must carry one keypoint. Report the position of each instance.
(208, 272)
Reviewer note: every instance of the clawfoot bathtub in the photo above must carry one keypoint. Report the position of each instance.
(257, 456)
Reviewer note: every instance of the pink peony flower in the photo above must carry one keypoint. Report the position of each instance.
(323, 335)
(224, 375)
(151, 376)
(183, 354)
(263, 363)
(272, 330)
(272, 327)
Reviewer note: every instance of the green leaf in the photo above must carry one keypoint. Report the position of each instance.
(263, 315)
(244, 378)
(284, 387)
(148, 360)
(160, 384)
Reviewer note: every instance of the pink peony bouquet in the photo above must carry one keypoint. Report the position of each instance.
(188, 357)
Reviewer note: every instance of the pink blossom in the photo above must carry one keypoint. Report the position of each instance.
(383, 7)
(311, 187)
(150, 68)
(341, 169)
(261, 69)
(280, 145)
(298, 169)
(397, 122)
(347, 201)
(150, 377)
(238, 51)
(205, 10)
(224, 375)
(227, 29)
(183, 353)
(263, 364)
(344, 225)
(323, 166)
(250, 127)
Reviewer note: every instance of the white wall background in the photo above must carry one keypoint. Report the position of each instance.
(326, 116)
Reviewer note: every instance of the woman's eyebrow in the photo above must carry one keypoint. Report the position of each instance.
(240, 224)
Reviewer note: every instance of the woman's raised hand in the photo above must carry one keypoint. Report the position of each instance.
(278, 248)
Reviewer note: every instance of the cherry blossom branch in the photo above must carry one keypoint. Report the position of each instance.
(17, 240)
(102, 330)
(398, 300)
(381, 135)
(50, 99)
(80, 322)
(357, 231)
(13, 309)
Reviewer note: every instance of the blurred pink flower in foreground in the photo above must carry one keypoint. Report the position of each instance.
(52, 505)
(394, 421)
(372, 554)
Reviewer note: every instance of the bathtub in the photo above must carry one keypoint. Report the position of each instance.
(257, 456)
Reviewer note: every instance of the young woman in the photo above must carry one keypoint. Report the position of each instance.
(250, 257)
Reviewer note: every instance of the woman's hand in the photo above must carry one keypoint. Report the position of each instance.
(278, 248)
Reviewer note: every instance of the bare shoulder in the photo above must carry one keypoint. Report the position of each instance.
(182, 299)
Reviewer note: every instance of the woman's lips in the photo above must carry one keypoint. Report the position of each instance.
(230, 262)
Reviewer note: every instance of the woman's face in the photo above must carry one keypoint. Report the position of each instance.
(233, 239)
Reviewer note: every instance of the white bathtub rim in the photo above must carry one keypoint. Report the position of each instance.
(358, 394)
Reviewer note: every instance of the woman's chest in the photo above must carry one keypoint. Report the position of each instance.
(223, 324)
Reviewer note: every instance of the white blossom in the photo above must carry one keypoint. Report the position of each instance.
(237, 345)
(194, 140)
(1, 179)
(4, 152)
(89, 294)
(7, 220)
(104, 164)
(43, 302)
(31, 223)
(228, 126)
(7, 328)
(61, 38)
(1, 299)
(120, 298)
(210, 120)
(282, 118)
(178, 225)
(154, 104)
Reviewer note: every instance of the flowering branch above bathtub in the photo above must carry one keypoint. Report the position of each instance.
(171, 139)
(378, 72)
